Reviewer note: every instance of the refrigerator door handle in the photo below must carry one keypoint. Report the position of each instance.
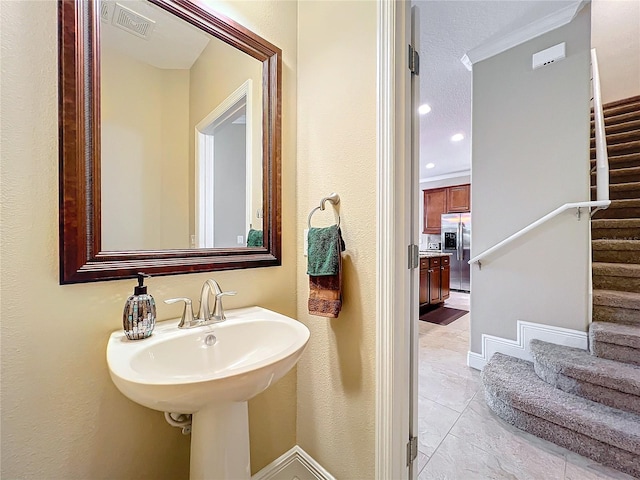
(459, 241)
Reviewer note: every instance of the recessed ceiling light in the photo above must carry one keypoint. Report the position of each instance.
(457, 137)
(424, 109)
(430, 165)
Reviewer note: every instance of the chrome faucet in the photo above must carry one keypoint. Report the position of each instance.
(205, 317)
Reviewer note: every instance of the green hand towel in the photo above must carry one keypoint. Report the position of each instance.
(254, 238)
(325, 245)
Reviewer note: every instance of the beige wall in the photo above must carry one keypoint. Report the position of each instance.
(219, 71)
(530, 155)
(62, 418)
(145, 162)
(615, 34)
(337, 152)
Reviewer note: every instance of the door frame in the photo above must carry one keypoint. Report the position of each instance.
(393, 236)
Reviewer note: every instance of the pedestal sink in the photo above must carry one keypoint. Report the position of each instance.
(209, 372)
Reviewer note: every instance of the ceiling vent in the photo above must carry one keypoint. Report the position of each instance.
(105, 11)
(133, 22)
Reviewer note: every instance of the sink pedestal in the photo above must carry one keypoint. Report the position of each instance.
(220, 442)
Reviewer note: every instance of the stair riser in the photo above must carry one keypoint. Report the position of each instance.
(632, 124)
(595, 393)
(621, 284)
(617, 138)
(631, 107)
(604, 313)
(616, 256)
(615, 233)
(614, 178)
(621, 194)
(612, 213)
(623, 161)
(619, 353)
(620, 149)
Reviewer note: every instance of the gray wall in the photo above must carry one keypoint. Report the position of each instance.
(230, 185)
(530, 154)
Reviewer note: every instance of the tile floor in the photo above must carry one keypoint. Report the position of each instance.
(459, 438)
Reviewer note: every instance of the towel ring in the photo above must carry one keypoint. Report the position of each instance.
(334, 199)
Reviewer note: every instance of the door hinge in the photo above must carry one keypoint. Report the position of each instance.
(412, 450)
(414, 61)
(413, 257)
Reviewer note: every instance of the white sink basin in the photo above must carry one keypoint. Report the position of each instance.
(175, 370)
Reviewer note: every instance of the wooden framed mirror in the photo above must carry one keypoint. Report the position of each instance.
(112, 204)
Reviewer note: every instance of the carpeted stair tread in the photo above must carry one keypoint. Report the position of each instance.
(613, 298)
(631, 270)
(576, 371)
(619, 161)
(584, 445)
(618, 191)
(616, 244)
(515, 383)
(616, 334)
(631, 123)
(620, 175)
(620, 137)
(619, 149)
(623, 101)
(612, 228)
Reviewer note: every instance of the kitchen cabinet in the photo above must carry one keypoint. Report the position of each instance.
(459, 199)
(438, 201)
(434, 279)
(435, 204)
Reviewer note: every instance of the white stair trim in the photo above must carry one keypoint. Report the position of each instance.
(296, 464)
(519, 348)
(546, 24)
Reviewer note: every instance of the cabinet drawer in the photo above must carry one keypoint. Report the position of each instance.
(446, 260)
(435, 262)
(424, 263)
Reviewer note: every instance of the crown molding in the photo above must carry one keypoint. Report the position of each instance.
(557, 19)
(446, 176)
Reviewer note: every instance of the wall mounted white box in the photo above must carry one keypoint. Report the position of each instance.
(548, 56)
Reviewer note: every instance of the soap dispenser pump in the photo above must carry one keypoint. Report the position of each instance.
(139, 315)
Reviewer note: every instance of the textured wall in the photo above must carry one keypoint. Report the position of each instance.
(615, 34)
(530, 155)
(337, 152)
(62, 418)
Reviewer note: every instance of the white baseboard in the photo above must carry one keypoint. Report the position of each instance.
(296, 464)
(519, 348)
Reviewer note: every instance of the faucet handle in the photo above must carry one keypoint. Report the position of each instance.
(218, 309)
(187, 314)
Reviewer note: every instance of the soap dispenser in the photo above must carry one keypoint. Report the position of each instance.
(139, 315)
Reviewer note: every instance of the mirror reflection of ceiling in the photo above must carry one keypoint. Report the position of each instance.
(128, 25)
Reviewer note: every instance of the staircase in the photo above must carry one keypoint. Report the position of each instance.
(589, 401)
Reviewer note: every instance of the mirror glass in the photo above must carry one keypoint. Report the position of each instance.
(181, 134)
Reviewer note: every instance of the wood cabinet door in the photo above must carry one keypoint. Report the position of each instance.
(459, 198)
(434, 281)
(424, 286)
(445, 280)
(435, 204)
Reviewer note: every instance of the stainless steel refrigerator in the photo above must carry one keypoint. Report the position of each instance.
(456, 239)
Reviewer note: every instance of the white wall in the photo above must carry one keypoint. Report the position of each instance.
(615, 34)
(530, 155)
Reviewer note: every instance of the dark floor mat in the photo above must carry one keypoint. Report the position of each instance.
(442, 315)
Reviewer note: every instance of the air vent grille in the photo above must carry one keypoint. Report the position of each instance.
(133, 22)
(104, 11)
